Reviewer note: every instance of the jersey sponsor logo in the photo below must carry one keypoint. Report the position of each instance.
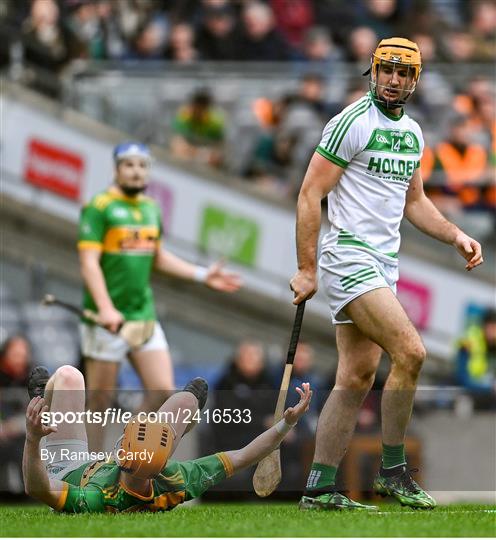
(393, 142)
(403, 168)
(120, 213)
(132, 240)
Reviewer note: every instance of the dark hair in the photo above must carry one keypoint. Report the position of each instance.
(202, 98)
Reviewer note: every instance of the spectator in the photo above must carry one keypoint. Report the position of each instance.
(303, 121)
(462, 162)
(362, 42)
(199, 131)
(97, 26)
(304, 371)
(181, 46)
(150, 41)
(48, 43)
(458, 45)
(293, 18)
(84, 22)
(483, 28)
(476, 358)
(270, 165)
(434, 92)
(245, 384)
(380, 16)
(15, 362)
(216, 37)
(281, 153)
(260, 40)
(319, 47)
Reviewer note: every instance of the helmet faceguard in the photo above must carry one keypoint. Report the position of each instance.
(144, 448)
(395, 54)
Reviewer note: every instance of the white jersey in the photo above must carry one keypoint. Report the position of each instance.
(379, 153)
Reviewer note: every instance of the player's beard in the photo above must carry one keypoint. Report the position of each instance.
(133, 191)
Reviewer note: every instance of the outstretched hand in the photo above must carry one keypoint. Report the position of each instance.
(293, 414)
(35, 429)
(222, 280)
(469, 249)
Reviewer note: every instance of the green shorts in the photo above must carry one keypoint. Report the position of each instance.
(195, 476)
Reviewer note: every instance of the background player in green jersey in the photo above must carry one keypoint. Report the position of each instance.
(120, 236)
(359, 268)
(129, 483)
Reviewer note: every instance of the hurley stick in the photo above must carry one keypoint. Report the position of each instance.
(268, 473)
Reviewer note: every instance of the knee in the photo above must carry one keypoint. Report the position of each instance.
(69, 378)
(356, 380)
(411, 360)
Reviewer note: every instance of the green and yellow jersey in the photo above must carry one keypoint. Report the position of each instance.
(96, 486)
(127, 231)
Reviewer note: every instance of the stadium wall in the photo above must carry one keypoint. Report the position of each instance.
(55, 160)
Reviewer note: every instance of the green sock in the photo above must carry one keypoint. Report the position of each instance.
(321, 476)
(392, 456)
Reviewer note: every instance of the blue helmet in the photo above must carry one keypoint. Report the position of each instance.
(130, 149)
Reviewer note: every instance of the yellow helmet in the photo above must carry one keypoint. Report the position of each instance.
(144, 448)
(398, 51)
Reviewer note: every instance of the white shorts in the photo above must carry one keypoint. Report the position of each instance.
(99, 344)
(347, 273)
(61, 464)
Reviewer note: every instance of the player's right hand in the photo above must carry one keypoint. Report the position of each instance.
(304, 285)
(35, 430)
(293, 414)
(111, 319)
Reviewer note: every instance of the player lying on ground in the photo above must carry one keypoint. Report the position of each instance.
(367, 164)
(127, 483)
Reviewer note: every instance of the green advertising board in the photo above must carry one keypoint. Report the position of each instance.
(229, 235)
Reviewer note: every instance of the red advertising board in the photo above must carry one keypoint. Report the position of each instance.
(416, 298)
(54, 168)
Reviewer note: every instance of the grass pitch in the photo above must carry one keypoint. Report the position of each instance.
(241, 520)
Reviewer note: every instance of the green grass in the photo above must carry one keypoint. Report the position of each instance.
(253, 520)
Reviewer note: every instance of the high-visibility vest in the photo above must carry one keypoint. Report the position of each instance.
(475, 343)
(461, 168)
(427, 163)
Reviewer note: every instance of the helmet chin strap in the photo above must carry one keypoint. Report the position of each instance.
(398, 103)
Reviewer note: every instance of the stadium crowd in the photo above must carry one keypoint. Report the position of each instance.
(54, 32)
(458, 119)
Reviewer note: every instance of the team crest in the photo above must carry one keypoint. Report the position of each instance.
(409, 141)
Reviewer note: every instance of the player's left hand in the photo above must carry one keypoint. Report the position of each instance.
(469, 249)
(35, 429)
(222, 280)
(293, 414)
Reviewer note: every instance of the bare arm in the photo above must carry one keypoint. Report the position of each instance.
(422, 213)
(215, 277)
(36, 481)
(269, 440)
(321, 178)
(95, 282)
